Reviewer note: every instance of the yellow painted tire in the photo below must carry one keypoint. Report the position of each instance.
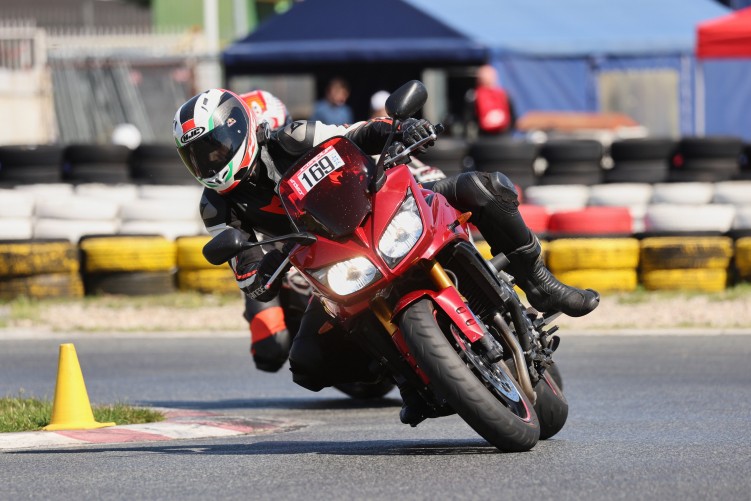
(484, 248)
(624, 280)
(704, 280)
(33, 258)
(743, 257)
(569, 254)
(219, 281)
(115, 254)
(45, 285)
(190, 254)
(667, 253)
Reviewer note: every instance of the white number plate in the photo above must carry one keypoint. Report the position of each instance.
(316, 170)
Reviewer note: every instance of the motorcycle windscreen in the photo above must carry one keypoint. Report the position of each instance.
(326, 191)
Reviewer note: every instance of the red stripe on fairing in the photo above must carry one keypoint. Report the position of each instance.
(190, 124)
(112, 435)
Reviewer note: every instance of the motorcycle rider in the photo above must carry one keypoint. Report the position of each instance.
(239, 163)
(272, 324)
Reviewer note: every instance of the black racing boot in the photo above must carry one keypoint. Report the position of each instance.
(544, 292)
(414, 408)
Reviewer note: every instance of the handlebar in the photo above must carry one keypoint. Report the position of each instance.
(439, 128)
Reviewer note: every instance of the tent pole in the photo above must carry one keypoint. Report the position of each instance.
(700, 103)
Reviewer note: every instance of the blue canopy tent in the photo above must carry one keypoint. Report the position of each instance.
(550, 54)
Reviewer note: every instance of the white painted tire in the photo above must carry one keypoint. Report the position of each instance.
(742, 219)
(558, 197)
(16, 204)
(175, 209)
(77, 209)
(72, 230)
(682, 193)
(165, 192)
(732, 192)
(675, 217)
(119, 193)
(168, 229)
(45, 192)
(620, 194)
(16, 229)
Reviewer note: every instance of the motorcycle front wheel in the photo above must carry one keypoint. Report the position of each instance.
(484, 395)
(551, 406)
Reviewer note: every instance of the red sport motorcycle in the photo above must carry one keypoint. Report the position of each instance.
(394, 264)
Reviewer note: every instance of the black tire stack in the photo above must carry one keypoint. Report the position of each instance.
(158, 164)
(30, 164)
(514, 158)
(572, 162)
(706, 159)
(447, 154)
(95, 163)
(640, 160)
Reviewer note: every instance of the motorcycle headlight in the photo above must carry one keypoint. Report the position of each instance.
(348, 276)
(402, 233)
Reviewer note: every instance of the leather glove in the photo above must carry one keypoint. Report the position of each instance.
(266, 269)
(414, 130)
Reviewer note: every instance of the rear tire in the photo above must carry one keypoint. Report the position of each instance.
(366, 391)
(488, 413)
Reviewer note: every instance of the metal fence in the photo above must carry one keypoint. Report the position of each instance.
(82, 83)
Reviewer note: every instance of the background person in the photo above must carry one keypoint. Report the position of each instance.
(333, 108)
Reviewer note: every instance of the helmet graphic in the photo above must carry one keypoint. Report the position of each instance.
(268, 108)
(215, 133)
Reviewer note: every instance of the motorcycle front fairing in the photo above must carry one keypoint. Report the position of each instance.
(326, 192)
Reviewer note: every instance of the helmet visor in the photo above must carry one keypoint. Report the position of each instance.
(208, 154)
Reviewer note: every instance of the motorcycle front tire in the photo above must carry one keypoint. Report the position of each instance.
(453, 379)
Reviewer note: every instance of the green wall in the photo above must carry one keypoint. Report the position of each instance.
(171, 14)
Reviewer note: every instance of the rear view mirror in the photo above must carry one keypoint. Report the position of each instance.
(224, 246)
(406, 100)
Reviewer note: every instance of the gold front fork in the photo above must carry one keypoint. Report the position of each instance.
(384, 313)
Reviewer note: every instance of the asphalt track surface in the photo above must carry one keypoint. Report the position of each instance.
(652, 417)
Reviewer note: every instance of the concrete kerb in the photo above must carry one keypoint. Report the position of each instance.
(178, 425)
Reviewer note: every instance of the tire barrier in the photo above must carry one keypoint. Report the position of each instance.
(34, 258)
(572, 162)
(603, 264)
(119, 193)
(95, 163)
(624, 280)
(43, 286)
(640, 160)
(661, 253)
(16, 229)
(736, 193)
(15, 204)
(447, 154)
(570, 254)
(514, 158)
(711, 218)
(707, 159)
(72, 230)
(684, 263)
(30, 164)
(558, 197)
(743, 258)
(122, 253)
(592, 221)
(702, 280)
(536, 217)
(682, 193)
(39, 270)
(158, 164)
(133, 283)
(635, 196)
(128, 265)
(197, 274)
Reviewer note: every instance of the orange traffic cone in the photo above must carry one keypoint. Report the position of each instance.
(71, 409)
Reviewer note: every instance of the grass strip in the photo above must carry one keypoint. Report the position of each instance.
(31, 414)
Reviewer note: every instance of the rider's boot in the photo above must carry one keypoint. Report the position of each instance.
(500, 222)
(544, 292)
(414, 408)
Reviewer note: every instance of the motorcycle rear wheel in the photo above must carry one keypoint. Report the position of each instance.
(504, 417)
(366, 391)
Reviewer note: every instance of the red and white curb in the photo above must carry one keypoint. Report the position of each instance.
(178, 425)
